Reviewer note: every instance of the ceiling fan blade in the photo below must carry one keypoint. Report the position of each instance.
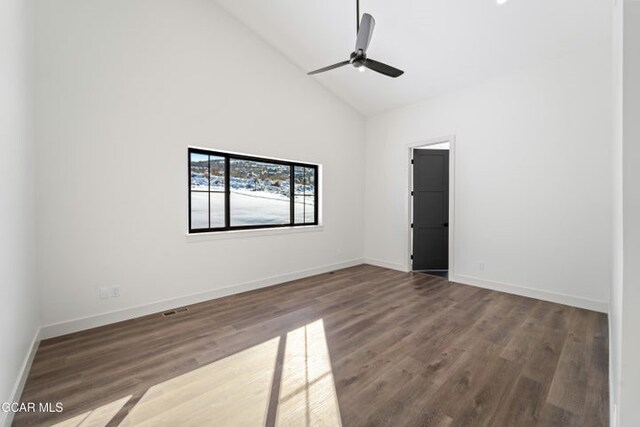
(330, 67)
(381, 68)
(365, 32)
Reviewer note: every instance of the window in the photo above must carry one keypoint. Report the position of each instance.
(237, 192)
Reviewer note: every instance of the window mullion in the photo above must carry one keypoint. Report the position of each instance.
(316, 185)
(292, 195)
(189, 186)
(209, 188)
(227, 193)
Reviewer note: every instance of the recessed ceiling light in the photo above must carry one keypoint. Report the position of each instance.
(501, 1)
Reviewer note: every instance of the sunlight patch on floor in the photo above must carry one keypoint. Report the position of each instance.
(97, 417)
(233, 391)
(307, 391)
(236, 390)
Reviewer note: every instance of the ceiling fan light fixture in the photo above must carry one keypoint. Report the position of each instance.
(361, 68)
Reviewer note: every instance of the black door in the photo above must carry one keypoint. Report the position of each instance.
(430, 209)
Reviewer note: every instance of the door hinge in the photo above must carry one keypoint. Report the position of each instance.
(412, 193)
(411, 225)
(411, 161)
(411, 257)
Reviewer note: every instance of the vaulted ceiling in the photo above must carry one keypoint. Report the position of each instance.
(442, 45)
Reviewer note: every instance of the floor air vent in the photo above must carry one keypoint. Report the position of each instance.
(175, 311)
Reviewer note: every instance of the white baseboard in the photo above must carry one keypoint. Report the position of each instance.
(386, 264)
(574, 301)
(80, 324)
(6, 418)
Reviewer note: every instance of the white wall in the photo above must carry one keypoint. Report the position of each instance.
(615, 309)
(19, 314)
(123, 87)
(630, 294)
(532, 184)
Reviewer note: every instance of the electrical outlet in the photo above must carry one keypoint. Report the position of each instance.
(115, 291)
(104, 293)
(481, 266)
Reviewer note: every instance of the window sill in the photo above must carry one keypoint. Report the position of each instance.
(239, 234)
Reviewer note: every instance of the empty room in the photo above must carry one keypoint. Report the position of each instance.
(319, 213)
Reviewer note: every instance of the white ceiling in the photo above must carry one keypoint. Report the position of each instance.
(441, 44)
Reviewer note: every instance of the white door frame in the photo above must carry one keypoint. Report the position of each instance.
(451, 139)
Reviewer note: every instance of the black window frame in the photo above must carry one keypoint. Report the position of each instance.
(227, 191)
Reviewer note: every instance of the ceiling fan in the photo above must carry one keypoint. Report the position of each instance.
(358, 58)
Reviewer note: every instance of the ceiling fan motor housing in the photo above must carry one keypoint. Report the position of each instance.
(358, 59)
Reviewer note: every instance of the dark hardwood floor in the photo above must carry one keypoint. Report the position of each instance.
(363, 346)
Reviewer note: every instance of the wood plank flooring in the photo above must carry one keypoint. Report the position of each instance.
(363, 346)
